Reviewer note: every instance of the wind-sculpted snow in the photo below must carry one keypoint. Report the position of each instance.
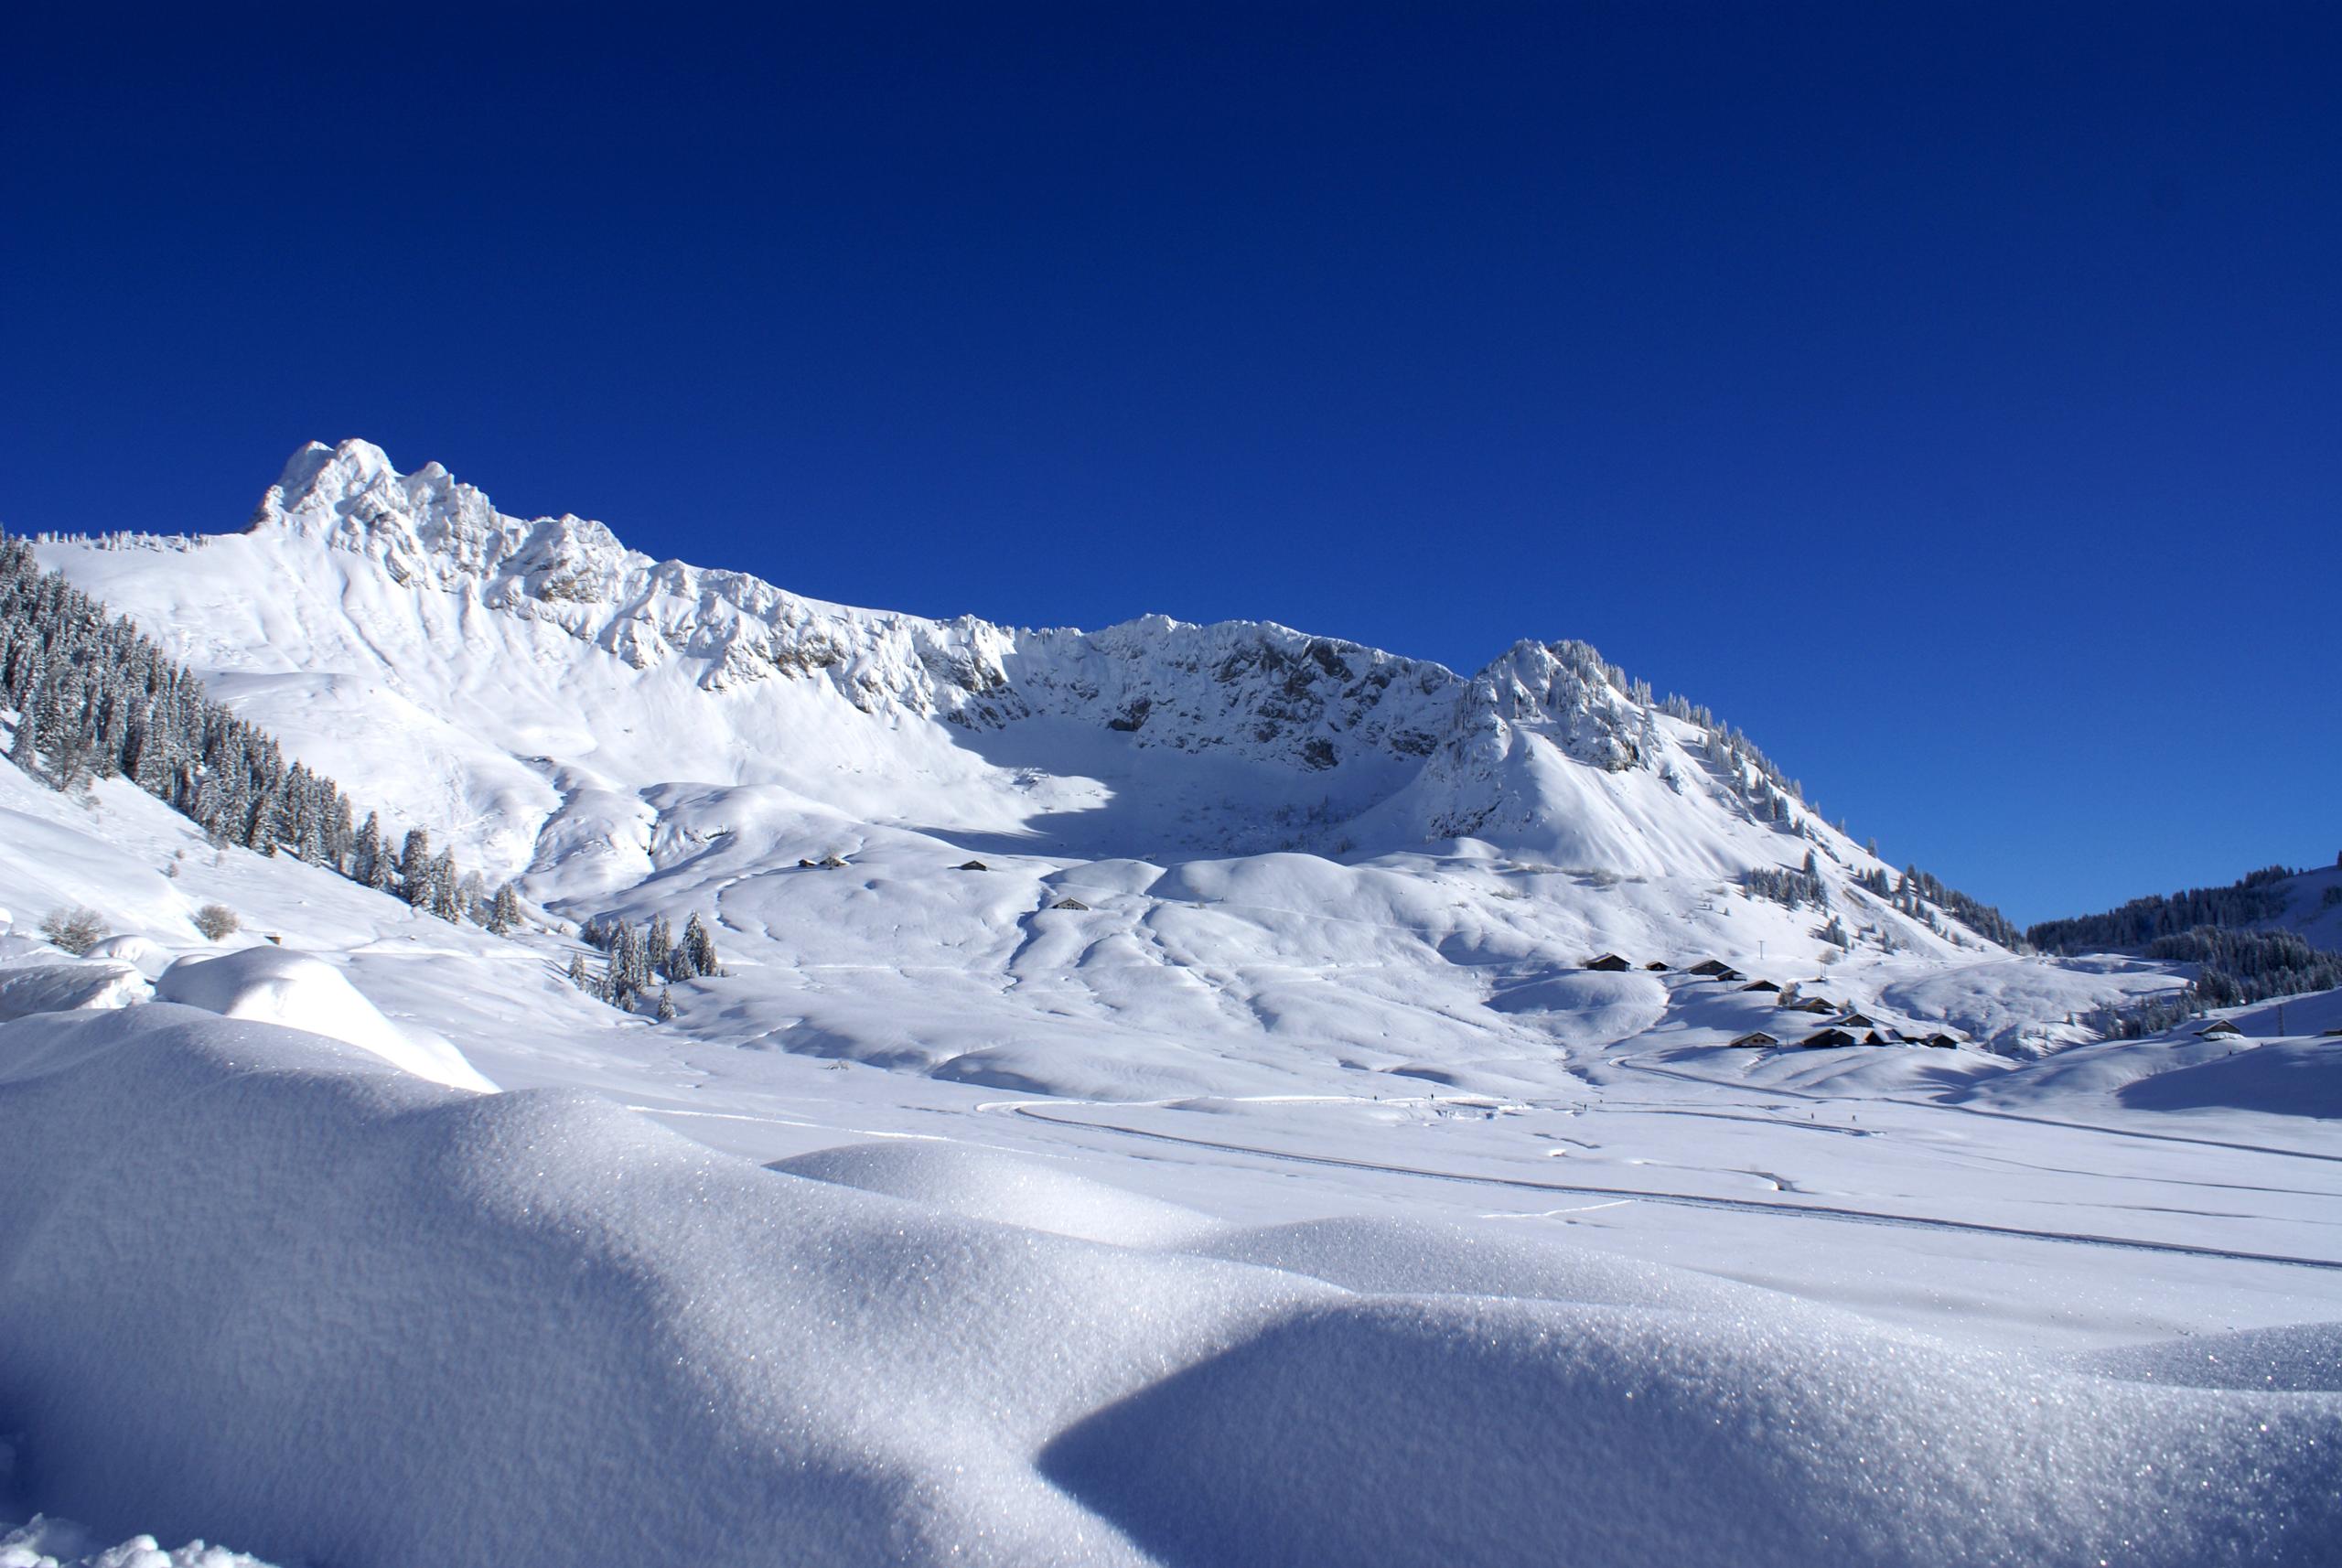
(68, 986)
(333, 1312)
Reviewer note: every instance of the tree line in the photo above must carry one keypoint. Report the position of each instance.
(2238, 967)
(2251, 899)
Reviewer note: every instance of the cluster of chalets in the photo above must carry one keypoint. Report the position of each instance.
(1844, 1027)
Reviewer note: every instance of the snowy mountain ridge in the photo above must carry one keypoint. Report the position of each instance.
(1257, 686)
(1149, 677)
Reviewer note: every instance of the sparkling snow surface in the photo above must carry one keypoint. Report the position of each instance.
(1300, 1199)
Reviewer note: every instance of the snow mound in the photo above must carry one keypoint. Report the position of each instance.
(1588, 1006)
(985, 1185)
(26, 989)
(1440, 1432)
(2299, 1358)
(150, 958)
(273, 986)
(1401, 1257)
(2288, 1078)
(423, 1326)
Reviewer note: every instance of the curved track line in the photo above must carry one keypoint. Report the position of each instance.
(1039, 1111)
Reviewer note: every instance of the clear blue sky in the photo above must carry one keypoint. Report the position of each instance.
(1951, 398)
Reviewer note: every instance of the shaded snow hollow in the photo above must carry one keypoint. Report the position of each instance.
(331, 1312)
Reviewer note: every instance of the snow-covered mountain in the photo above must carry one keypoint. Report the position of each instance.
(629, 735)
(522, 664)
(1244, 1165)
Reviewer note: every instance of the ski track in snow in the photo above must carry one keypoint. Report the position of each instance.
(1735, 1205)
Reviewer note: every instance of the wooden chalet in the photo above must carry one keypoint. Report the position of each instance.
(1826, 1039)
(1761, 986)
(1711, 967)
(1941, 1042)
(1756, 1039)
(2219, 1029)
(971, 865)
(1809, 1003)
(1856, 1021)
(1656, 967)
(1609, 963)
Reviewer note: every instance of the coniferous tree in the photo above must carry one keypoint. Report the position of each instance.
(416, 867)
(366, 856)
(442, 900)
(504, 912)
(25, 749)
(701, 947)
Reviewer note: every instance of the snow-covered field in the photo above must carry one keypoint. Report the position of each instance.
(1299, 1197)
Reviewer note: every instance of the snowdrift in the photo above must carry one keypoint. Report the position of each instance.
(269, 986)
(68, 986)
(329, 1311)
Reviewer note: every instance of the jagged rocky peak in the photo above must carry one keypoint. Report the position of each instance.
(1252, 687)
(428, 523)
(1249, 688)
(1569, 693)
(429, 528)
